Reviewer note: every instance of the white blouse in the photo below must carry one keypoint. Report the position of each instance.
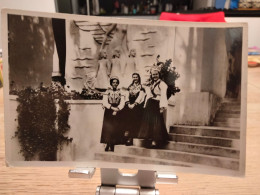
(116, 97)
(136, 89)
(160, 90)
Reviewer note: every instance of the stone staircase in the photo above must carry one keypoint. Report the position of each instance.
(190, 146)
(228, 114)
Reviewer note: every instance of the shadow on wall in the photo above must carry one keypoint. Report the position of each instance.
(194, 108)
(202, 61)
(30, 38)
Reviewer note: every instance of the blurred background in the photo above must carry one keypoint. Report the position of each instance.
(235, 11)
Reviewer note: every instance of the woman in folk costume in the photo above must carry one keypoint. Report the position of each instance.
(153, 127)
(113, 103)
(103, 72)
(133, 110)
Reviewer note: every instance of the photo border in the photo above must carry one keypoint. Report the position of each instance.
(243, 116)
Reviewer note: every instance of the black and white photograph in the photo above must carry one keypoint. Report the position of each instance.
(107, 92)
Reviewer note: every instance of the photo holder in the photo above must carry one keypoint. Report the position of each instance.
(115, 182)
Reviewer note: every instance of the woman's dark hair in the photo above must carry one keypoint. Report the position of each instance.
(139, 78)
(112, 79)
(138, 75)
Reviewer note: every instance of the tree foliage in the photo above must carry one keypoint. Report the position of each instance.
(41, 128)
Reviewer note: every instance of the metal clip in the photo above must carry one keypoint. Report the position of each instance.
(114, 182)
(82, 173)
(110, 190)
(166, 178)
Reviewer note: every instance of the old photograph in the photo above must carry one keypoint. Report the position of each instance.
(124, 93)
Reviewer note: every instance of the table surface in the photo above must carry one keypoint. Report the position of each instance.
(27, 180)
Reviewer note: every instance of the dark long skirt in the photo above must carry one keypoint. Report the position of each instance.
(111, 132)
(132, 120)
(153, 126)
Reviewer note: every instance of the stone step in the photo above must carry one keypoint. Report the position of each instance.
(127, 158)
(227, 120)
(230, 107)
(209, 141)
(230, 100)
(227, 115)
(236, 103)
(195, 148)
(227, 124)
(209, 131)
(227, 111)
(221, 162)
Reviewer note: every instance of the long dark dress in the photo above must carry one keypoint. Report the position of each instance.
(111, 131)
(153, 127)
(132, 117)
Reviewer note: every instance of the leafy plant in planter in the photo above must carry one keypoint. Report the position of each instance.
(41, 129)
(169, 75)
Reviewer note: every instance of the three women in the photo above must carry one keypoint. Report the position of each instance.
(142, 116)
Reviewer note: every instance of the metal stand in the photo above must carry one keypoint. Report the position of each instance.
(115, 183)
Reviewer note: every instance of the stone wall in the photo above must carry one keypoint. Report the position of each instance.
(85, 40)
(201, 59)
(86, 119)
(194, 108)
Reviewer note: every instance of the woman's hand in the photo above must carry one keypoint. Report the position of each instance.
(115, 109)
(131, 106)
(157, 97)
(162, 109)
